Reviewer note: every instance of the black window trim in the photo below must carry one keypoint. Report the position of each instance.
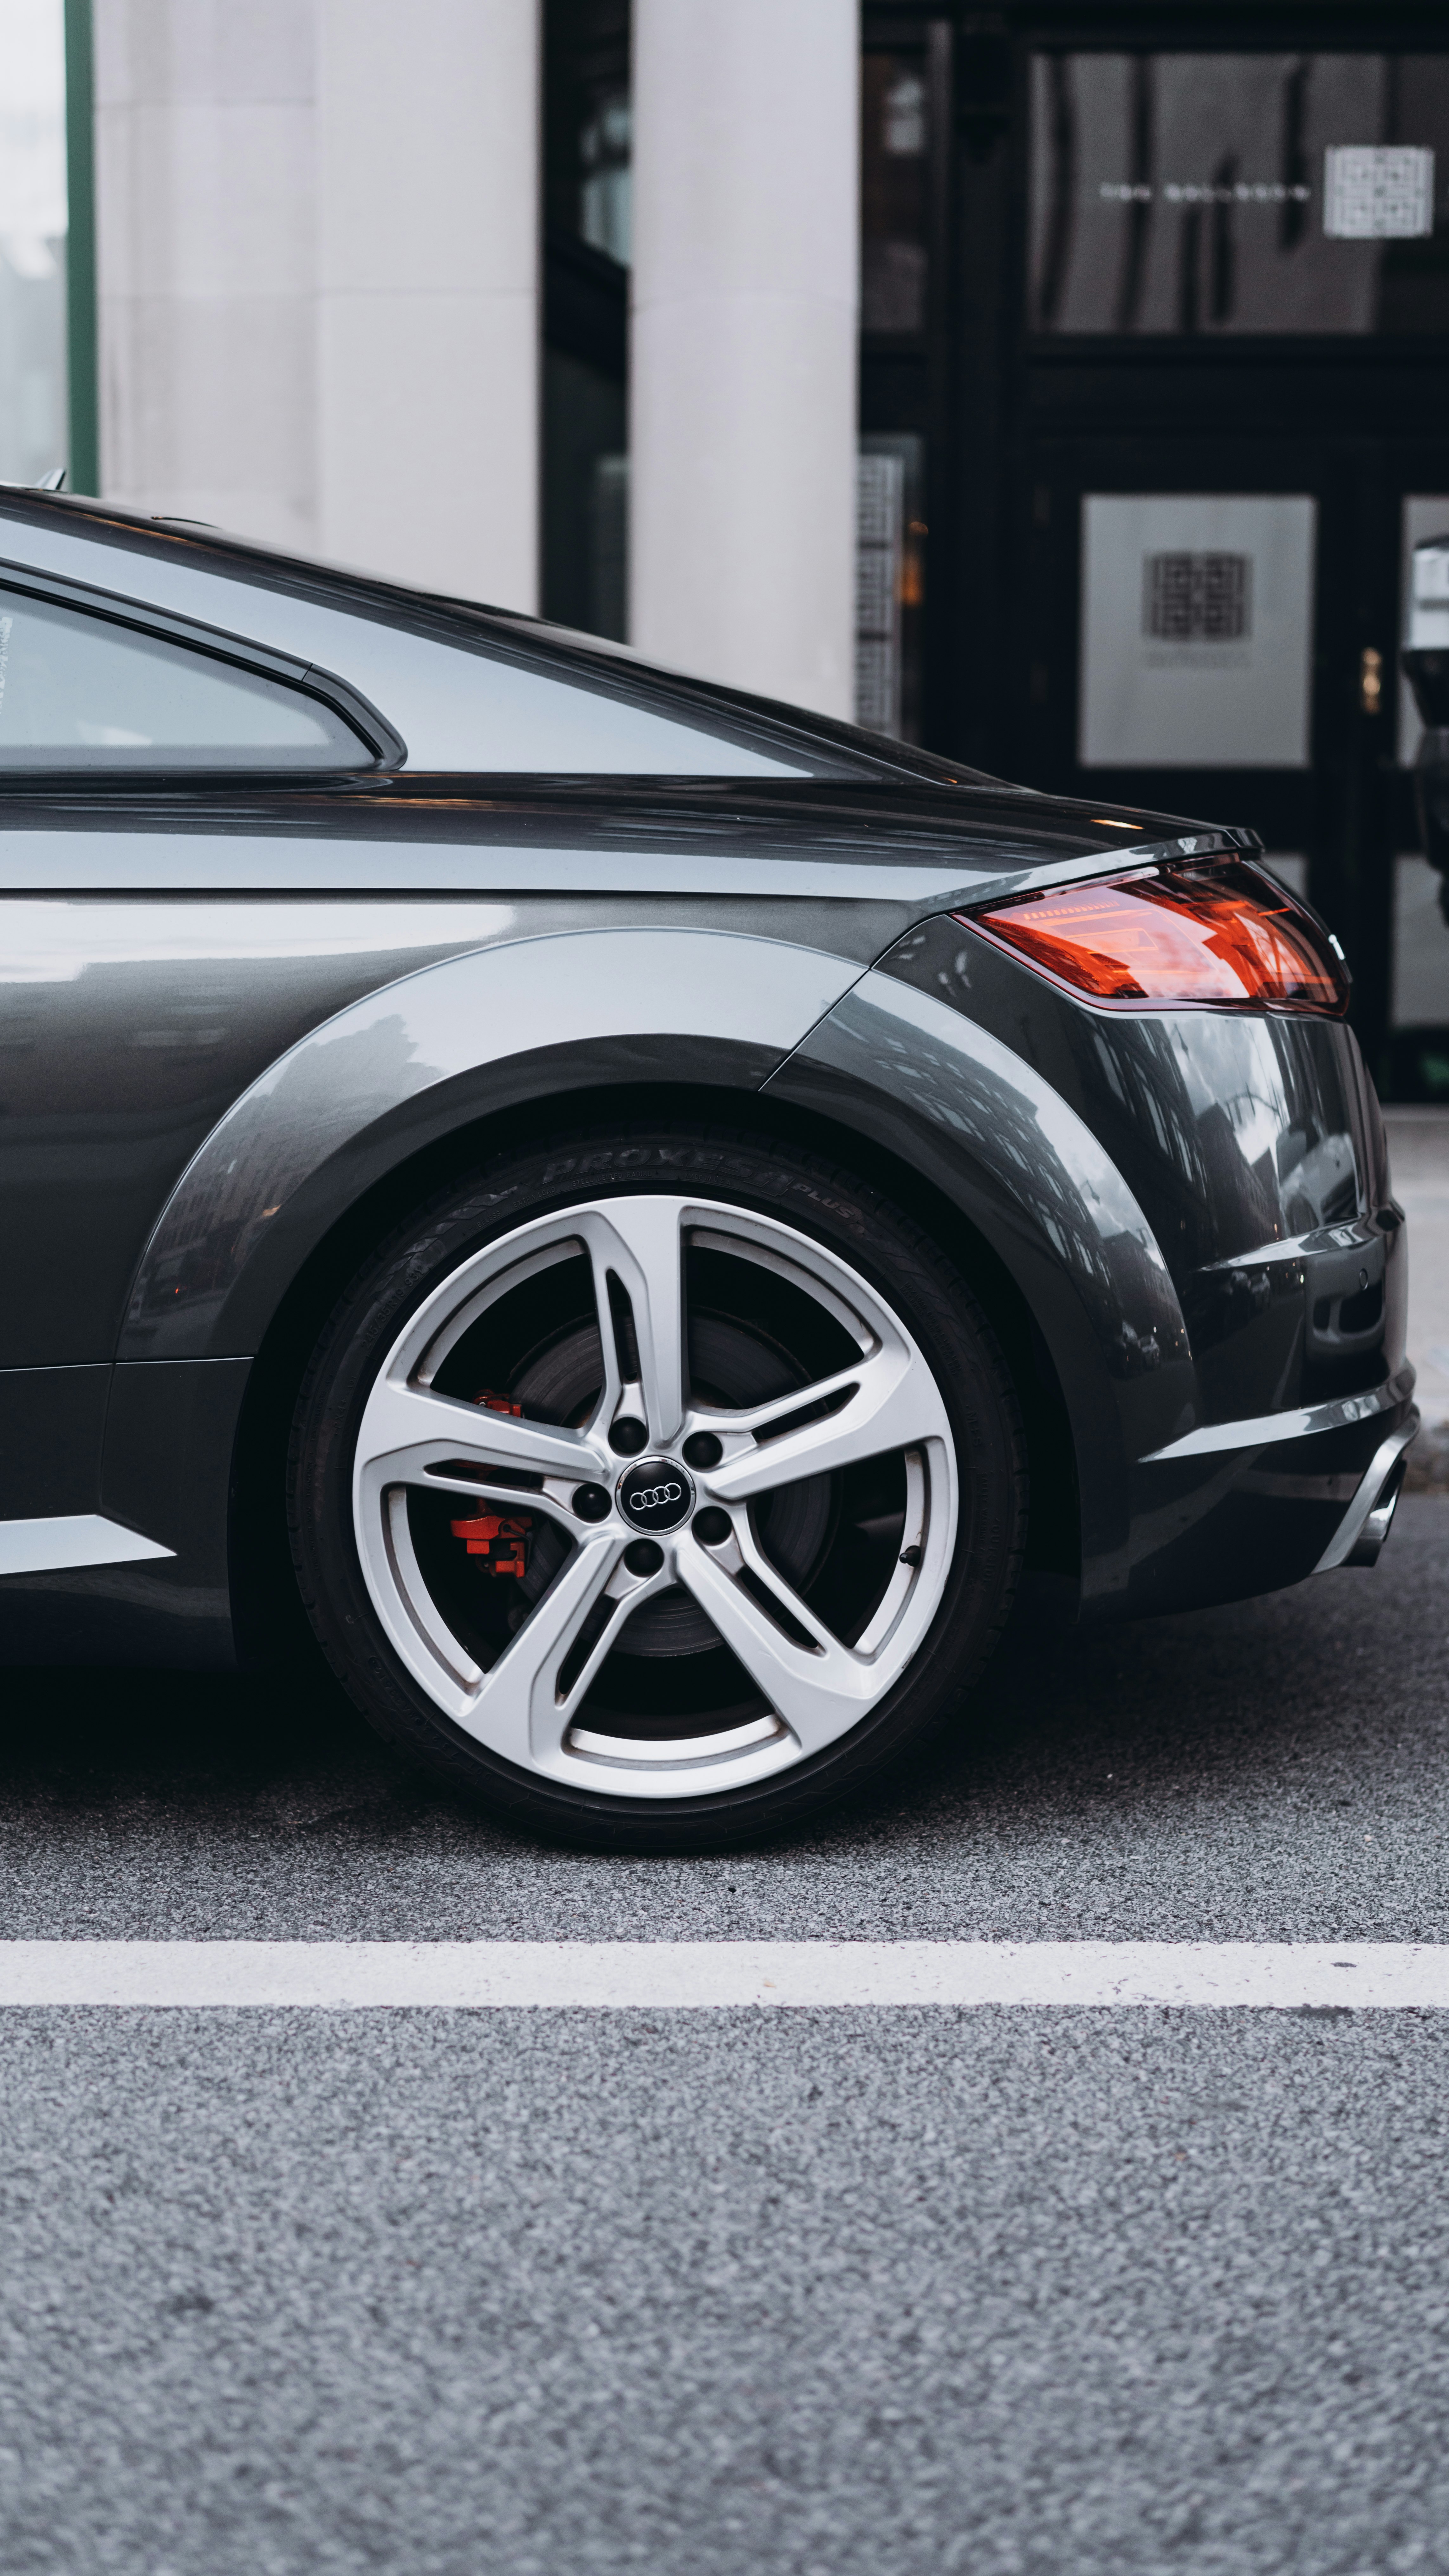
(389, 751)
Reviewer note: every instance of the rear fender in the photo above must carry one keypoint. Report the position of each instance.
(425, 1057)
(994, 1139)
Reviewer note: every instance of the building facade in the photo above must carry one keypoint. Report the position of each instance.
(1062, 386)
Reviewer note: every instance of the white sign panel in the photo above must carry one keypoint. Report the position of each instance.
(880, 519)
(1197, 622)
(1378, 192)
(1425, 515)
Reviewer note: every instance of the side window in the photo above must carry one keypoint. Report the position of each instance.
(81, 692)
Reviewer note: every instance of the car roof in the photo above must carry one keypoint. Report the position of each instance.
(823, 740)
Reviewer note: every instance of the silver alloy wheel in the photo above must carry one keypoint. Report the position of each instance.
(526, 1706)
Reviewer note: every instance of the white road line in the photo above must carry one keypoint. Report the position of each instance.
(663, 1976)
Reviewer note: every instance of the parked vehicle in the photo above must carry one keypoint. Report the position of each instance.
(639, 1209)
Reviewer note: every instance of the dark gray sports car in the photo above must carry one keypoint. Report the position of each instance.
(636, 1211)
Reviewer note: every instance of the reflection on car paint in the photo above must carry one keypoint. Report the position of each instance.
(249, 1005)
(456, 1018)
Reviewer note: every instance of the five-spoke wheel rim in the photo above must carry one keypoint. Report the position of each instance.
(660, 1495)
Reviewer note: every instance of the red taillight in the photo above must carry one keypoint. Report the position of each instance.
(1224, 934)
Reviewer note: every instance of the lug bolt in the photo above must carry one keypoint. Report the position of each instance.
(592, 1503)
(628, 1437)
(711, 1526)
(702, 1449)
(642, 1556)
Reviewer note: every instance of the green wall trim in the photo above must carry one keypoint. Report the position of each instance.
(84, 473)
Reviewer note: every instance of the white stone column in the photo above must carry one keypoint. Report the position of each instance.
(205, 240)
(743, 344)
(428, 406)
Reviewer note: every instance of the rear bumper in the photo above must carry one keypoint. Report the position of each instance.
(1364, 1526)
(1260, 1504)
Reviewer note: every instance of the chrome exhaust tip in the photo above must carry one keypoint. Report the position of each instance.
(1365, 1549)
(1366, 1523)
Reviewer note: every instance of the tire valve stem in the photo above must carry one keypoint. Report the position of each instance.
(910, 1556)
(501, 1542)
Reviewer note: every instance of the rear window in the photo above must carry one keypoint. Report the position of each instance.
(84, 692)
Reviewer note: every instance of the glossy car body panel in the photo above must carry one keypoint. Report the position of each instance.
(908, 845)
(130, 1029)
(1255, 1148)
(165, 1468)
(233, 1010)
(126, 1032)
(1253, 1143)
(52, 1425)
(525, 1020)
(951, 1101)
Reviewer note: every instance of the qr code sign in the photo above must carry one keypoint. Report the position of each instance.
(1378, 191)
(1197, 599)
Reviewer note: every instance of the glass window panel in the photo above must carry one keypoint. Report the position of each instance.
(585, 489)
(606, 149)
(1196, 630)
(609, 547)
(588, 124)
(893, 193)
(34, 435)
(1421, 946)
(587, 194)
(78, 692)
(1201, 193)
(1425, 620)
(889, 582)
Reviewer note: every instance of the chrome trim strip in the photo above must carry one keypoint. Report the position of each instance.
(76, 1538)
(1360, 1511)
(1267, 1428)
(1355, 1235)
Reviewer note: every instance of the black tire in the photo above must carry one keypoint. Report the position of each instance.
(847, 1219)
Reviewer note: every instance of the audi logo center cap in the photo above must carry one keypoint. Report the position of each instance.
(656, 1494)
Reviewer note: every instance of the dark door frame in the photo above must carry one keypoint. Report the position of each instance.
(1005, 413)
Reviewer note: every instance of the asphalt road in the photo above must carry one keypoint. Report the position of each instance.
(1043, 2293)
(1419, 1154)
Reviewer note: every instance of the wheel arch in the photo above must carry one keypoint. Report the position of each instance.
(1031, 1185)
(265, 1608)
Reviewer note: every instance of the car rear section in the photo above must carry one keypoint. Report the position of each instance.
(650, 1239)
(1250, 1140)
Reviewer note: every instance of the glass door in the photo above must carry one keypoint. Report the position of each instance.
(1418, 1039)
(1235, 351)
(1231, 654)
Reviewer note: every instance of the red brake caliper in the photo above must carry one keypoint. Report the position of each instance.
(500, 1540)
